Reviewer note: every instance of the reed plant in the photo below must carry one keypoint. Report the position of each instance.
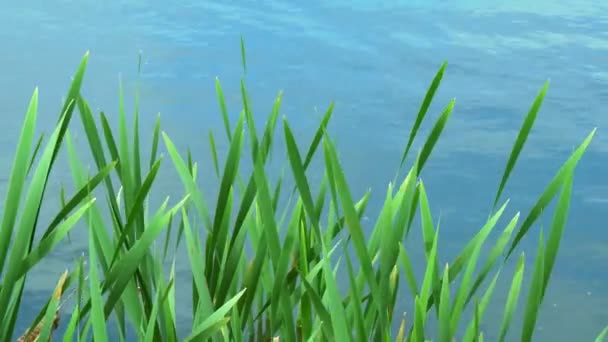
(290, 287)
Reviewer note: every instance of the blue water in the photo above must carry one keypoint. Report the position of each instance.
(375, 60)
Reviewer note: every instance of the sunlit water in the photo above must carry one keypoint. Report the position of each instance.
(375, 60)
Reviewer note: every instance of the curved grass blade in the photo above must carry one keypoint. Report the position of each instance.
(97, 317)
(312, 149)
(464, 256)
(35, 153)
(299, 174)
(79, 197)
(522, 136)
(119, 276)
(473, 328)
(224, 111)
(214, 321)
(461, 294)
(426, 103)
(321, 311)
(550, 191)
(434, 135)
(445, 334)
(216, 166)
(339, 325)
(512, 298)
(496, 251)
(280, 298)
(155, 139)
(27, 226)
(356, 302)
(409, 271)
(354, 227)
(535, 293)
(137, 205)
(50, 319)
(47, 244)
(557, 229)
(188, 182)
(417, 332)
(198, 272)
(243, 55)
(602, 335)
(17, 178)
(161, 296)
(426, 289)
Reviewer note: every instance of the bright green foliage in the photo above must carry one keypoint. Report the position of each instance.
(291, 287)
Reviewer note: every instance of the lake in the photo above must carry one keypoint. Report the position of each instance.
(375, 60)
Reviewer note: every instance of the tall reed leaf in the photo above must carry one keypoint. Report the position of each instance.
(428, 99)
(550, 191)
(522, 136)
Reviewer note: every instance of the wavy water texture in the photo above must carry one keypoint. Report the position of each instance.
(375, 59)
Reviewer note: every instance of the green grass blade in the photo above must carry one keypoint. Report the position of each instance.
(207, 327)
(426, 288)
(197, 268)
(340, 327)
(557, 229)
(219, 233)
(312, 149)
(409, 271)
(429, 144)
(428, 99)
(79, 197)
(17, 178)
(321, 311)
(35, 153)
(522, 136)
(417, 332)
(512, 298)
(161, 296)
(473, 328)
(47, 244)
(354, 227)
(550, 191)
(49, 318)
(213, 148)
(243, 55)
(534, 293)
(155, 139)
(496, 251)
(445, 334)
(602, 336)
(27, 225)
(463, 258)
(188, 181)
(356, 301)
(97, 317)
(300, 178)
(224, 111)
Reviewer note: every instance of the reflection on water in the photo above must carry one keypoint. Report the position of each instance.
(375, 60)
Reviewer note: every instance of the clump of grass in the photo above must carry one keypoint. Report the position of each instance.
(289, 287)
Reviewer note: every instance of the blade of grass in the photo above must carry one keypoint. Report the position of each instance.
(522, 136)
(214, 321)
(97, 317)
(557, 229)
(550, 192)
(602, 336)
(426, 103)
(512, 298)
(445, 334)
(17, 178)
(534, 293)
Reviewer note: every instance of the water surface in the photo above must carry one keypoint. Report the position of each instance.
(375, 60)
